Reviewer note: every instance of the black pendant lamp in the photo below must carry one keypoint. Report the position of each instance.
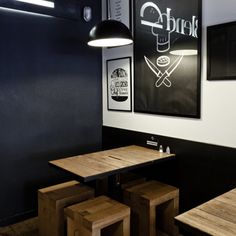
(109, 33)
(184, 47)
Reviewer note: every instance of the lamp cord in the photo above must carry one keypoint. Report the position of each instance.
(109, 9)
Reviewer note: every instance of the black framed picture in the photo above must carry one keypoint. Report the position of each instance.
(119, 84)
(119, 10)
(167, 57)
(221, 51)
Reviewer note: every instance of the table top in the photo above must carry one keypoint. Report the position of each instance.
(104, 163)
(215, 217)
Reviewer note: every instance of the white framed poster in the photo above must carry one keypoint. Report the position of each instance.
(119, 84)
(119, 10)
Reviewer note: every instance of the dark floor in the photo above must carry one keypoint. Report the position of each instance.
(30, 228)
(24, 228)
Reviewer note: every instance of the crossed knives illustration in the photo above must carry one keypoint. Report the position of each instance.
(163, 76)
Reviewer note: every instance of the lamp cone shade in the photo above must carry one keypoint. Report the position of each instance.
(184, 47)
(109, 33)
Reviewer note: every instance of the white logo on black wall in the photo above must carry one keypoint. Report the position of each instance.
(119, 85)
(161, 29)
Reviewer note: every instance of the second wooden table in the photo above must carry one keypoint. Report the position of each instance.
(216, 217)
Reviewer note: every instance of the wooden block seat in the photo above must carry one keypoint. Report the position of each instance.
(153, 205)
(98, 216)
(51, 203)
(129, 179)
(122, 181)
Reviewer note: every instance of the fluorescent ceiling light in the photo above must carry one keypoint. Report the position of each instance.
(23, 12)
(39, 3)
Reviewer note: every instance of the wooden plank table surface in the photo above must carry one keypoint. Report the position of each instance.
(104, 163)
(216, 217)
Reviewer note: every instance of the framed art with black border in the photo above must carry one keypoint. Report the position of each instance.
(167, 57)
(119, 10)
(221, 51)
(119, 84)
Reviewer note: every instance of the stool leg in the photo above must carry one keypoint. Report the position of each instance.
(96, 232)
(175, 213)
(147, 221)
(82, 231)
(152, 221)
(75, 227)
(126, 226)
(70, 227)
(170, 211)
(120, 228)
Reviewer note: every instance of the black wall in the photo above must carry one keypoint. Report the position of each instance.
(201, 171)
(50, 102)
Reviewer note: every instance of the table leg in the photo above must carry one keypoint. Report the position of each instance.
(101, 187)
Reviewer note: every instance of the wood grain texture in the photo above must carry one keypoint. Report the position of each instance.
(104, 163)
(101, 213)
(216, 217)
(153, 204)
(51, 203)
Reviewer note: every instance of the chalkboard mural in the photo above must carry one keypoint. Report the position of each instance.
(167, 51)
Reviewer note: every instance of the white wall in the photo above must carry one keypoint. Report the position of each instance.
(218, 109)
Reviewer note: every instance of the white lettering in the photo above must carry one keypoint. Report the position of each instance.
(187, 28)
(195, 27)
(178, 25)
(170, 20)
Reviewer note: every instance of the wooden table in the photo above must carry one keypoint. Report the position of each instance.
(215, 217)
(104, 163)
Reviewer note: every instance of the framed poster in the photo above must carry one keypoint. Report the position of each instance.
(119, 10)
(119, 84)
(167, 57)
(221, 51)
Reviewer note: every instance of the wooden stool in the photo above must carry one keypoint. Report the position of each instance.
(154, 206)
(51, 203)
(122, 181)
(129, 179)
(97, 216)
